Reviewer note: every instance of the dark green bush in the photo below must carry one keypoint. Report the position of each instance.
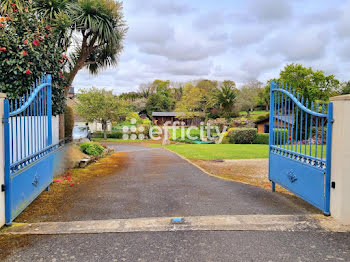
(97, 134)
(91, 148)
(261, 139)
(242, 135)
(115, 134)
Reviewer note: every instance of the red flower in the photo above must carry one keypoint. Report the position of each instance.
(24, 52)
(65, 87)
(7, 59)
(60, 61)
(28, 72)
(30, 63)
(290, 138)
(48, 27)
(25, 41)
(2, 49)
(61, 75)
(14, 8)
(36, 42)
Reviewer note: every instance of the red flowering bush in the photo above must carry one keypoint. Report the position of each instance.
(28, 49)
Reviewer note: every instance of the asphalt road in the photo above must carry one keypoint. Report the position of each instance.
(156, 183)
(189, 246)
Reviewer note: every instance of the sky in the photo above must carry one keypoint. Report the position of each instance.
(237, 40)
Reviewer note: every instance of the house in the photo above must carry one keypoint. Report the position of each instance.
(282, 121)
(160, 118)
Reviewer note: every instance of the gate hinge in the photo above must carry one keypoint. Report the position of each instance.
(3, 188)
(333, 184)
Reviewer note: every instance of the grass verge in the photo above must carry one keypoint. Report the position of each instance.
(220, 151)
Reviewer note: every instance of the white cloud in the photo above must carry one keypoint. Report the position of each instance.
(298, 44)
(238, 40)
(271, 10)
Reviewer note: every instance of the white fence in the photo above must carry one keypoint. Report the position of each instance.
(25, 138)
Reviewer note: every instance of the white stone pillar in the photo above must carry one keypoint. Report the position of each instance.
(340, 169)
(2, 161)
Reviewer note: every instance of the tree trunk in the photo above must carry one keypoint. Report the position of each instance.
(79, 65)
(104, 127)
(86, 49)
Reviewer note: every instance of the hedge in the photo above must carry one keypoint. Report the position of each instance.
(242, 135)
(113, 134)
(261, 139)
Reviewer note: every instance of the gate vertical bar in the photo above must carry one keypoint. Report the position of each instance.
(272, 102)
(7, 162)
(328, 158)
(49, 110)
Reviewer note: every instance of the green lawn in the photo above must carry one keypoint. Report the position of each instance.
(232, 151)
(221, 151)
(296, 148)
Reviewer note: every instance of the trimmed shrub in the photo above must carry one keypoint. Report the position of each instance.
(97, 134)
(68, 122)
(92, 149)
(261, 139)
(242, 135)
(114, 134)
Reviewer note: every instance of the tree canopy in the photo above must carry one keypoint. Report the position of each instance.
(312, 85)
(101, 106)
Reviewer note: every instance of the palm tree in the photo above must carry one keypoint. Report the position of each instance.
(96, 27)
(227, 95)
(51, 9)
(100, 26)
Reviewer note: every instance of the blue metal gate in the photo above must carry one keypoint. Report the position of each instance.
(300, 146)
(28, 144)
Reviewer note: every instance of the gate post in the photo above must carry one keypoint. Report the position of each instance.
(340, 167)
(2, 162)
